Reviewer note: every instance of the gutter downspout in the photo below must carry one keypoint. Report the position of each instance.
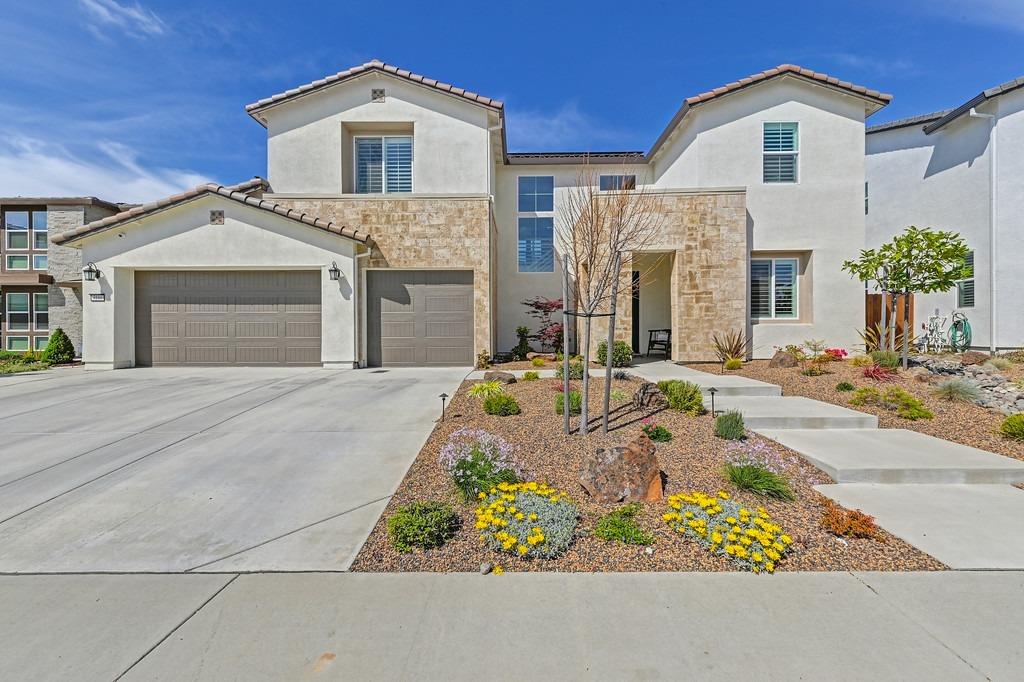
(993, 167)
(360, 308)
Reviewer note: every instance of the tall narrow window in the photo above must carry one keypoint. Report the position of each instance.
(781, 147)
(383, 165)
(40, 234)
(536, 245)
(17, 312)
(41, 312)
(965, 287)
(773, 288)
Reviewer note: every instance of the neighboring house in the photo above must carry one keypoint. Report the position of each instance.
(961, 170)
(395, 229)
(41, 283)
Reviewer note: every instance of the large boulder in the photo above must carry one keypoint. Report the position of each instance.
(543, 356)
(973, 357)
(503, 377)
(783, 359)
(626, 473)
(649, 397)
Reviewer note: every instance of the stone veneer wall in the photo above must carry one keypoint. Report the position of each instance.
(706, 232)
(432, 233)
(64, 263)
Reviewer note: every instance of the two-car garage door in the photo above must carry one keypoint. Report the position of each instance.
(227, 318)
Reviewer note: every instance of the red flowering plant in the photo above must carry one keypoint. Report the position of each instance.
(836, 354)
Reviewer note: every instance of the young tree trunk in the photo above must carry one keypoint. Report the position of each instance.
(906, 328)
(565, 347)
(883, 331)
(611, 346)
(890, 333)
(584, 427)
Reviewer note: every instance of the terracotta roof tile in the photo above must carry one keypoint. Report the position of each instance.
(242, 193)
(372, 65)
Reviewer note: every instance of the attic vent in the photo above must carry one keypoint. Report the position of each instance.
(377, 95)
(216, 217)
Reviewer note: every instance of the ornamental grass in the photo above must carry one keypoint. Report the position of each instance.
(747, 537)
(529, 520)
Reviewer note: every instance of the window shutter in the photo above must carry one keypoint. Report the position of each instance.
(398, 157)
(760, 288)
(369, 167)
(780, 168)
(780, 137)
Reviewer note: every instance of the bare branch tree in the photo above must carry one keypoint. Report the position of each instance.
(596, 230)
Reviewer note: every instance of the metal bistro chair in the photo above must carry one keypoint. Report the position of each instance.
(660, 339)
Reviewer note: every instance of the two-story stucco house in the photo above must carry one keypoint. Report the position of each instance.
(394, 228)
(961, 170)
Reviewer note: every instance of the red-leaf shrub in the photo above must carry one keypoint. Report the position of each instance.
(879, 373)
(836, 353)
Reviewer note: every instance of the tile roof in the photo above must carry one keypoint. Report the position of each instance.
(368, 67)
(242, 193)
(980, 98)
(876, 97)
(906, 122)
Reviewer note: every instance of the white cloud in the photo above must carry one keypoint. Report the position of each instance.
(133, 19)
(874, 65)
(111, 171)
(567, 129)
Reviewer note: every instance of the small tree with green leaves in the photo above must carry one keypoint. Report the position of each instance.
(919, 261)
(59, 349)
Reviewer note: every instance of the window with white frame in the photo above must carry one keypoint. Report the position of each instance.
(383, 164)
(39, 343)
(16, 230)
(781, 149)
(610, 183)
(17, 343)
(41, 312)
(773, 288)
(965, 287)
(536, 228)
(18, 314)
(25, 239)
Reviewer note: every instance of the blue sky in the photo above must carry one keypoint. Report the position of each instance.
(132, 100)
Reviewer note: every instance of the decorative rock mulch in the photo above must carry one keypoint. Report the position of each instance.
(692, 460)
(998, 392)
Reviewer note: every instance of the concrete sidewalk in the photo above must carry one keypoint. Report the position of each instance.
(815, 626)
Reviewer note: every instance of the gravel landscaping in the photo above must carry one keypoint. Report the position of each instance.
(692, 460)
(960, 422)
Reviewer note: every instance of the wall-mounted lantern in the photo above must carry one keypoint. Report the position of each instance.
(90, 272)
(334, 271)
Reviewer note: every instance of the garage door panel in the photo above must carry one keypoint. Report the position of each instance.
(228, 318)
(421, 317)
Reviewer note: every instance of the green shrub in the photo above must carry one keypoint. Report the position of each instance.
(11, 357)
(575, 370)
(733, 364)
(683, 396)
(861, 361)
(622, 375)
(620, 526)
(501, 405)
(1015, 356)
(422, 524)
(530, 376)
(657, 433)
(483, 360)
(59, 348)
(1013, 427)
(998, 363)
(575, 402)
(957, 389)
(478, 461)
(537, 362)
(844, 386)
(618, 395)
(759, 480)
(894, 399)
(622, 354)
(479, 473)
(523, 346)
(485, 389)
(730, 425)
(886, 358)
(866, 395)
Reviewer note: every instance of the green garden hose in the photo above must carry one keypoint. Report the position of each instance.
(960, 333)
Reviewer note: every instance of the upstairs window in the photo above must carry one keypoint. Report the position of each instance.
(965, 287)
(781, 147)
(18, 314)
(536, 194)
(773, 288)
(16, 230)
(536, 245)
(383, 164)
(610, 183)
(25, 240)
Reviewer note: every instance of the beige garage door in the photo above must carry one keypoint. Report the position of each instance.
(419, 318)
(227, 318)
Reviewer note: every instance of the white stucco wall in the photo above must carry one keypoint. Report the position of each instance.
(182, 238)
(822, 215)
(942, 181)
(309, 150)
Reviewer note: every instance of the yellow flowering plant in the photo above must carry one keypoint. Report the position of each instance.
(746, 536)
(528, 520)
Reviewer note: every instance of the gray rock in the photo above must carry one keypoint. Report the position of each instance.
(503, 377)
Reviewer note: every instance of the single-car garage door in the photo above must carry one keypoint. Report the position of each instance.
(227, 318)
(419, 318)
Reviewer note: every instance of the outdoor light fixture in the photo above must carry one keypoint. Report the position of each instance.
(443, 397)
(90, 272)
(712, 391)
(334, 271)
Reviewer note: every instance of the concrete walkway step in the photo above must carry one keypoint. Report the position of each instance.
(896, 456)
(967, 527)
(769, 413)
(726, 384)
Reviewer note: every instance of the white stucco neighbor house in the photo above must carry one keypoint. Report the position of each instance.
(962, 170)
(394, 228)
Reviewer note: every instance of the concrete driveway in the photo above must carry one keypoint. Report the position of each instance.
(172, 470)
